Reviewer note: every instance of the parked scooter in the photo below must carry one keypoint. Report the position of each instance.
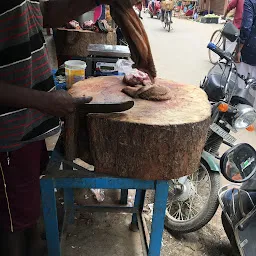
(238, 203)
(154, 9)
(193, 200)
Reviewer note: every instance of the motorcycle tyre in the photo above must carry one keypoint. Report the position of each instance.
(205, 215)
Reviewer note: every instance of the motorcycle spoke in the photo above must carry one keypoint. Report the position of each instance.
(192, 210)
(183, 208)
(169, 206)
(202, 181)
(180, 207)
(175, 214)
(200, 198)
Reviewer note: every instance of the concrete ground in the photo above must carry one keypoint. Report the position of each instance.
(180, 55)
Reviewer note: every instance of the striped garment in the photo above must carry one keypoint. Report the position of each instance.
(23, 62)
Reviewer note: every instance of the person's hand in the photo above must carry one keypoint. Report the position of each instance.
(60, 103)
(238, 57)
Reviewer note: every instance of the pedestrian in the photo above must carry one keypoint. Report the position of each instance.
(139, 7)
(239, 6)
(29, 107)
(166, 6)
(246, 49)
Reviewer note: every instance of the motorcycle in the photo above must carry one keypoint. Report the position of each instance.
(154, 9)
(238, 203)
(193, 200)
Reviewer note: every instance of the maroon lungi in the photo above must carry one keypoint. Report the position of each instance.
(21, 174)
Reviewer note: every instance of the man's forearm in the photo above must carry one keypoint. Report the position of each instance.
(226, 13)
(19, 97)
(58, 12)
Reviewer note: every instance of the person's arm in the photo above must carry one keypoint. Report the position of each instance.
(56, 103)
(232, 5)
(246, 27)
(58, 12)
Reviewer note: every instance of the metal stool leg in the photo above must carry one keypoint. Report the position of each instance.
(69, 205)
(50, 217)
(124, 196)
(157, 227)
(139, 202)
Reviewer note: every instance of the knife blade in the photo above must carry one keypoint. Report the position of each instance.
(106, 107)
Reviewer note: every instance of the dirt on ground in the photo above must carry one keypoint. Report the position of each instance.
(108, 234)
(211, 240)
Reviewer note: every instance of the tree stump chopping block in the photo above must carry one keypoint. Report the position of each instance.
(153, 140)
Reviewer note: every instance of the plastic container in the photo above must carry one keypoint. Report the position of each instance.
(124, 66)
(74, 72)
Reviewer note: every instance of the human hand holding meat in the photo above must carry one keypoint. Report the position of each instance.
(141, 83)
(125, 17)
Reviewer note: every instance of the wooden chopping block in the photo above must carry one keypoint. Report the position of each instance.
(72, 42)
(153, 140)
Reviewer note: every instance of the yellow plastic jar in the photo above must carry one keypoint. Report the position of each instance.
(74, 72)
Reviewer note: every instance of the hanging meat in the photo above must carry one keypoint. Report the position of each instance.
(135, 34)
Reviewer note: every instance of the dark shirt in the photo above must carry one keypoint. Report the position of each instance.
(248, 33)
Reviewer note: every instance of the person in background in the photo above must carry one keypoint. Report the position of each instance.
(145, 4)
(239, 6)
(162, 10)
(246, 49)
(153, 4)
(139, 7)
(170, 8)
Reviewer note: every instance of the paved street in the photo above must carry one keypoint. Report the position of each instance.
(182, 56)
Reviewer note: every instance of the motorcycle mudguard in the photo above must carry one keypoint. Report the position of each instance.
(246, 238)
(240, 211)
(211, 161)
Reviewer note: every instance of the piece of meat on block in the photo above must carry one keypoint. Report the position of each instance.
(153, 140)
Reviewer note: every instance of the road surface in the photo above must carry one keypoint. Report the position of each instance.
(181, 55)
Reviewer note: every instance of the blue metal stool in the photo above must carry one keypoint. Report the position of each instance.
(65, 179)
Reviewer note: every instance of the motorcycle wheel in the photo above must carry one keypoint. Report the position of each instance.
(190, 206)
(230, 234)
